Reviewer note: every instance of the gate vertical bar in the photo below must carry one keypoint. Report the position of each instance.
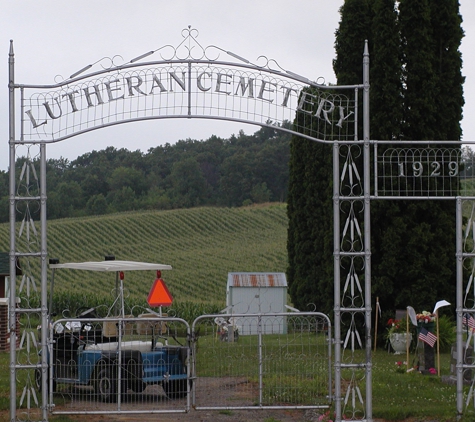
(459, 304)
(12, 312)
(336, 278)
(261, 360)
(44, 284)
(189, 89)
(367, 234)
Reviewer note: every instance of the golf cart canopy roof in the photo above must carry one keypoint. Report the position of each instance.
(112, 266)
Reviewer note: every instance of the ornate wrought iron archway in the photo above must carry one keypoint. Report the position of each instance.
(192, 81)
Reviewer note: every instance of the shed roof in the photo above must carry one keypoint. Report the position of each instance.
(256, 280)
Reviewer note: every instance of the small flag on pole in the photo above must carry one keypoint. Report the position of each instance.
(427, 337)
(412, 315)
(468, 321)
(440, 304)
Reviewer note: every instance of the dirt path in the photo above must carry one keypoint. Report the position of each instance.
(259, 415)
(211, 392)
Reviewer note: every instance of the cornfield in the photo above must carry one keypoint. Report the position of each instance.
(201, 244)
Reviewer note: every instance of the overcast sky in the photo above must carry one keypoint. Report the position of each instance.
(53, 37)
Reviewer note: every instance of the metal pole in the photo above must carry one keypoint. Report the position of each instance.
(459, 304)
(44, 285)
(336, 282)
(12, 307)
(367, 234)
(189, 89)
(261, 369)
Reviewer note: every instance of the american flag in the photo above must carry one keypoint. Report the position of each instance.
(468, 321)
(427, 337)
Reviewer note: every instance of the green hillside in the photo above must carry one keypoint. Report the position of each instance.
(201, 244)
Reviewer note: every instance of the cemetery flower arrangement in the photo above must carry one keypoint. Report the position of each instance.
(425, 317)
(325, 417)
(329, 416)
(400, 367)
(396, 326)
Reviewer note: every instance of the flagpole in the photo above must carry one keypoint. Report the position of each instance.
(407, 341)
(438, 346)
(411, 314)
(376, 323)
(438, 305)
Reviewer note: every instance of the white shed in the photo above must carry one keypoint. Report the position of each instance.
(257, 293)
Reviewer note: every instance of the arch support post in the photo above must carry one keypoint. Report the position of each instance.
(352, 262)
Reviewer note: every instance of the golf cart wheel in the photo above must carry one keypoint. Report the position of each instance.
(138, 386)
(105, 383)
(175, 389)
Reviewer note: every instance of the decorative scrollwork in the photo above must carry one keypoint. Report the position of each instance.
(190, 45)
(350, 178)
(268, 64)
(191, 49)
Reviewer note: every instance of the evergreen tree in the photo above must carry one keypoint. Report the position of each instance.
(385, 72)
(354, 29)
(386, 118)
(414, 53)
(447, 37)
(420, 118)
(310, 205)
(309, 242)
(431, 36)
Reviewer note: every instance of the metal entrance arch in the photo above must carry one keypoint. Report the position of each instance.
(187, 81)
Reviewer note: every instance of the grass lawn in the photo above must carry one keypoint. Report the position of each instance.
(397, 396)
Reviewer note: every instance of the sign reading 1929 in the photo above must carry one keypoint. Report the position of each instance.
(419, 171)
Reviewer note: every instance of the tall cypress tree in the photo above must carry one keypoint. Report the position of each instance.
(386, 118)
(447, 64)
(309, 243)
(385, 72)
(354, 29)
(416, 93)
(310, 205)
(431, 36)
(420, 119)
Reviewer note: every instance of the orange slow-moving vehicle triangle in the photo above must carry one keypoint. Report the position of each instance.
(159, 294)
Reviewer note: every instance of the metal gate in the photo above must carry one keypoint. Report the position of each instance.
(272, 360)
(142, 365)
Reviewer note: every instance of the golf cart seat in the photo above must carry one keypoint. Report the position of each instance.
(111, 329)
(151, 327)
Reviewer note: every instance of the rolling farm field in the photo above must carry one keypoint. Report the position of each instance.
(201, 244)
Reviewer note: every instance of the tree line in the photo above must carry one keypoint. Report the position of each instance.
(240, 170)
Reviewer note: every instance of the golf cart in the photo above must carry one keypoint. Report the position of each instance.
(117, 352)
